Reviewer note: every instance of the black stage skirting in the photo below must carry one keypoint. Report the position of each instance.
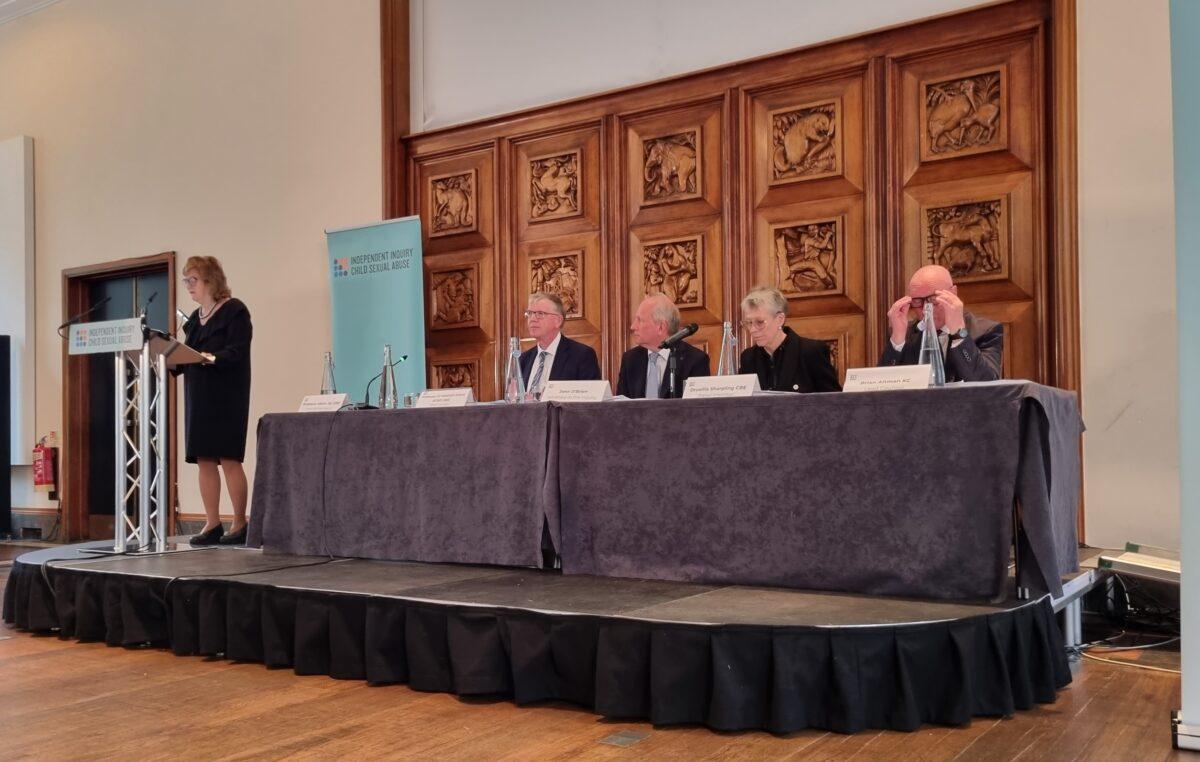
(902, 493)
(729, 658)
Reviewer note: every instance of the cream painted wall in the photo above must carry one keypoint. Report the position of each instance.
(225, 127)
(1127, 273)
(467, 66)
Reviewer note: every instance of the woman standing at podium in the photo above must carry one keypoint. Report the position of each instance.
(217, 397)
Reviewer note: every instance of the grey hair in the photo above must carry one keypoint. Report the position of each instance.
(767, 297)
(665, 311)
(554, 299)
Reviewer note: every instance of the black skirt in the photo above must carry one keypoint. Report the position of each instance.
(217, 396)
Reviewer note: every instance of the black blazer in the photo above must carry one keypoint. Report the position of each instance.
(574, 361)
(631, 381)
(976, 358)
(799, 365)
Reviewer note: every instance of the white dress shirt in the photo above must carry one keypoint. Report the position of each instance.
(550, 352)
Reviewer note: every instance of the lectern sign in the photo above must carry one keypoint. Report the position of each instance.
(105, 336)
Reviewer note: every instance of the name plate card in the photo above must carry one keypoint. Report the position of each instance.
(105, 336)
(710, 387)
(576, 391)
(323, 403)
(446, 398)
(888, 379)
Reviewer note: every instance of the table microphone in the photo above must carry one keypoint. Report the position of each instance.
(365, 404)
(679, 336)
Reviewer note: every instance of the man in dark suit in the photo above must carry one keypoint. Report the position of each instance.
(972, 345)
(645, 366)
(554, 357)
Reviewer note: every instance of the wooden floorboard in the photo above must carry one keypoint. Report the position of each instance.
(65, 700)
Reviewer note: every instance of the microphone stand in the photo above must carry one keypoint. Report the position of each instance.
(672, 369)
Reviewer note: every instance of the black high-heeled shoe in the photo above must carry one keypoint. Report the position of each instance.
(211, 537)
(235, 538)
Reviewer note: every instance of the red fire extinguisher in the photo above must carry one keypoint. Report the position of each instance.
(45, 476)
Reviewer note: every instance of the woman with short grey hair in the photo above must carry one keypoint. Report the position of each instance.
(783, 360)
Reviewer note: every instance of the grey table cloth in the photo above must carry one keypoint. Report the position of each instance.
(464, 485)
(899, 493)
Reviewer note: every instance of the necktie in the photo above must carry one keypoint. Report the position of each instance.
(652, 379)
(537, 374)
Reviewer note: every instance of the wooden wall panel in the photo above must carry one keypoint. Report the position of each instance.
(832, 172)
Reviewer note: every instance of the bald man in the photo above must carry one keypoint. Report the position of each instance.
(971, 345)
(644, 368)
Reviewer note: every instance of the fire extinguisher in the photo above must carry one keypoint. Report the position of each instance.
(45, 455)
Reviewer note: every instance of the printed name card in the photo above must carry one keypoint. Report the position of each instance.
(709, 387)
(888, 379)
(323, 403)
(446, 398)
(576, 391)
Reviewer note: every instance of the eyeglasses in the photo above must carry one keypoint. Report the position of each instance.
(531, 314)
(191, 280)
(758, 325)
(918, 302)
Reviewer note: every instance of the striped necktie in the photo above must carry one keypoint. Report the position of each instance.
(537, 374)
(652, 379)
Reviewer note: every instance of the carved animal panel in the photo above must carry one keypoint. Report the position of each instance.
(675, 268)
(805, 142)
(966, 238)
(835, 354)
(455, 375)
(671, 167)
(562, 274)
(452, 204)
(963, 115)
(554, 186)
(808, 257)
(453, 298)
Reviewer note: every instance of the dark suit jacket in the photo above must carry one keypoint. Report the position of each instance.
(574, 361)
(976, 358)
(798, 365)
(631, 381)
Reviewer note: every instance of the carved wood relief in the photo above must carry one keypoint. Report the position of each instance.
(963, 115)
(554, 186)
(806, 142)
(675, 268)
(453, 298)
(835, 354)
(832, 172)
(808, 258)
(455, 375)
(671, 167)
(561, 274)
(966, 238)
(452, 201)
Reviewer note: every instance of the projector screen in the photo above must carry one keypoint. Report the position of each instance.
(16, 287)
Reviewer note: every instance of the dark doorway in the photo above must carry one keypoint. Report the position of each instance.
(88, 468)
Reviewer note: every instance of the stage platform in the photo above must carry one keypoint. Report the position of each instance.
(729, 657)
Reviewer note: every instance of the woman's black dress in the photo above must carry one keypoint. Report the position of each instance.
(217, 396)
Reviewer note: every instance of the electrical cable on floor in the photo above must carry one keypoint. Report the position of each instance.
(1132, 664)
(1114, 649)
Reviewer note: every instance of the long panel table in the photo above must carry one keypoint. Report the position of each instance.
(901, 493)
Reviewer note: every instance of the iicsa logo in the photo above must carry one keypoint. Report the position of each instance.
(341, 267)
(81, 336)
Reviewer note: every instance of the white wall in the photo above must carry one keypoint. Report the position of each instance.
(476, 58)
(224, 127)
(1127, 273)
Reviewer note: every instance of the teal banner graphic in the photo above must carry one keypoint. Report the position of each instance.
(375, 281)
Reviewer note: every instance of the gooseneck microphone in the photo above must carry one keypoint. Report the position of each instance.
(85, 313)
(366, 405)
(679, 336)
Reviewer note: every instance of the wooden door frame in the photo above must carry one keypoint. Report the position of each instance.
(76, 459)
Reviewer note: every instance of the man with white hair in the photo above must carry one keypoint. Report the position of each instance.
(972, 346)
(644, 368)
(555, 357)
